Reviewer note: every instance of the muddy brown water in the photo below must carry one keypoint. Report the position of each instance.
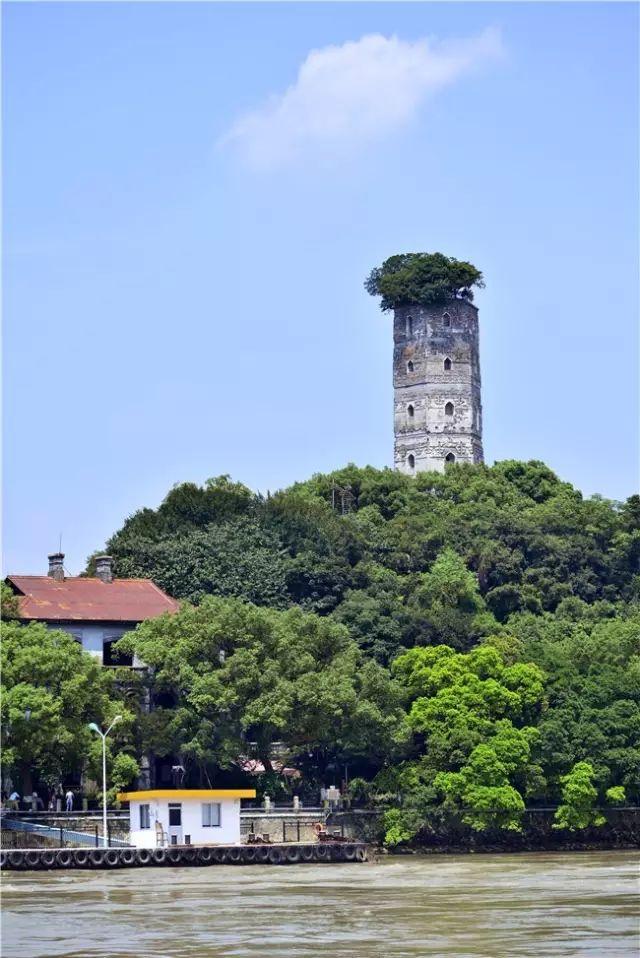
(493, 906)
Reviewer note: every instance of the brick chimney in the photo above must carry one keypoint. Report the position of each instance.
(104, 570)
(56, 566)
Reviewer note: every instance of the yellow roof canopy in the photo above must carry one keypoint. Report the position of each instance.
(180, 794)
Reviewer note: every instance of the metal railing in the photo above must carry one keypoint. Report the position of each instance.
(64, 836)
(258, 808)
(89, 813)
(281, 828)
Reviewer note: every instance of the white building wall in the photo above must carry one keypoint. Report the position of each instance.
(91, 635)
(227, 833)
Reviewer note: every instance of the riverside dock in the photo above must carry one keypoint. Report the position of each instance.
(51, 859)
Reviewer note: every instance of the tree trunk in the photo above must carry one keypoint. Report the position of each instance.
(27, 782)
(264, 756)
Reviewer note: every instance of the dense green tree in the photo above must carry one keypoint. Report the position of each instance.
(422, 279)
(377, 619)
(243, 678)
(401, 825)
(449, 690)
(616, 795)
(591, 659)
(452, 611)
(501, 592)
(531, 540)
(9, 607)
(473, 716)
(51, 690)
(482, 789)
(578, 809)
(124, 772)
(237, 557)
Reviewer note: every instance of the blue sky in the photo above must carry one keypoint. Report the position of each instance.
(193, 198)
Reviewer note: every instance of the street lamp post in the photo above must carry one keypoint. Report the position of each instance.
(103, 736)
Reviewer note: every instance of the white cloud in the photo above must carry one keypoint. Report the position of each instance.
(347, 96)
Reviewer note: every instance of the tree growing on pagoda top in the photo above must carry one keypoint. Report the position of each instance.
(423, 279)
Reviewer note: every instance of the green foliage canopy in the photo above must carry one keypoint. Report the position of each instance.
(504, 603)
(591, 658)
(51, 690)
(530, 540)
(473, 715)
(9, 606)
(422, 279)
(243, 678)
(579, 798)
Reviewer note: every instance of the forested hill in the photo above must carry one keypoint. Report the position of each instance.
(400, 560)
(465, 641)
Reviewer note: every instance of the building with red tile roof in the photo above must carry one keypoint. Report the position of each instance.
(96, 610)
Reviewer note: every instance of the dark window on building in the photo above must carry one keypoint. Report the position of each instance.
(411, 459)
(410, 412)
(164, 700)
(409, 367)
(145, 821)
(409, 325)
(110, 655)
(448, 409)
(447, 364)
(175, 815)
(446, 320)
(450, 457)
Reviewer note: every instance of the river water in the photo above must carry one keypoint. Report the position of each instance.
(481, 906)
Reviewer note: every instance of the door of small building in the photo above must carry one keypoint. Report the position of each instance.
(175, 823)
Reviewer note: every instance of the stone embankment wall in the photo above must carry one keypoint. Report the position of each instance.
(282, 827)
(446, 831)
(11, 839)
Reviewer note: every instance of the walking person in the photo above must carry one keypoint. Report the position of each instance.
(69, 801)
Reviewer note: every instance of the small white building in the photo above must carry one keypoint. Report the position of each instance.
(178, 816)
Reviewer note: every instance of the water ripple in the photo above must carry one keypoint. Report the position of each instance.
(481, 906)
